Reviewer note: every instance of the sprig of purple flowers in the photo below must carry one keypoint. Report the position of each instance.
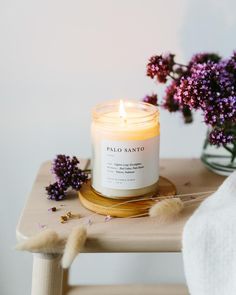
(206, 83)
(68, 174)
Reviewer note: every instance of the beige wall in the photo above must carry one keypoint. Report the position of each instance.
(59, 58)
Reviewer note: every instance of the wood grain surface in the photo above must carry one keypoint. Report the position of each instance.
(119, 234)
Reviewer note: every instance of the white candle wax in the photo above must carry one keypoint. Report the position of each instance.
(125, 141)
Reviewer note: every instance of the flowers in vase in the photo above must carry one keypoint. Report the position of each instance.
(206, 83)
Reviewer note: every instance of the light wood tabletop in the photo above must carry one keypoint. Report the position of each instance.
(143, 234)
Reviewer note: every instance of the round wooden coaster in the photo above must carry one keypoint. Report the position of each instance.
(123, 208)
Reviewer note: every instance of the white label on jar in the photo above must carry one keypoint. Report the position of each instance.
(130, 164)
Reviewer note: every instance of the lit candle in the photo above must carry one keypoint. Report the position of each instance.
(125, 142)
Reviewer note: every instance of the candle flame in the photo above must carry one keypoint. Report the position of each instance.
(122, 111)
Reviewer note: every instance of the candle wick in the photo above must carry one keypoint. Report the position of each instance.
(123, 119)
(122, 111)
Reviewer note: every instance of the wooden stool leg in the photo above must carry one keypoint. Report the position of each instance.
(65, 284)
(47, 275)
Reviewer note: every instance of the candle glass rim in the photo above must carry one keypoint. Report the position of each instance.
(103, 109)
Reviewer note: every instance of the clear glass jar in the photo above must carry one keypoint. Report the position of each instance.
(220, 160)
(125, 148)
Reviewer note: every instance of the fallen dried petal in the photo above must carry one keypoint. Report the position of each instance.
(42, 226)
(89, 222)
(108, 218)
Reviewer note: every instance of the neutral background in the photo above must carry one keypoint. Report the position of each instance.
(57, 60)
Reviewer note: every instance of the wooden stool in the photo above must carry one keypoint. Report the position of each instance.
(118, 235)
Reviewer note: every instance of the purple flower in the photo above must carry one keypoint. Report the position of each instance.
(220, 136)
(199, 85)
(207, 83)
(221, 111)
(64, 167)
(160, 66)
(201, 58)
(152, 99)
(170, 102)
(55, 192)
(173, 105)
(77, 179)
(230, 65)
(68, 174)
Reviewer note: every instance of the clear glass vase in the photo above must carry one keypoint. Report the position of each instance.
(221, 160)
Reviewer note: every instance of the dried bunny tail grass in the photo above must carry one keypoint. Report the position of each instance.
(74, 245)
(45, 242)
(166, 209)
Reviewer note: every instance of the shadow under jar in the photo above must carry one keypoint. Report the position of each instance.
(125, 149)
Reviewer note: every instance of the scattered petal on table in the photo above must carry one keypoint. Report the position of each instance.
(108, 218)
(187, 183)
(89, 222)
(42, 226)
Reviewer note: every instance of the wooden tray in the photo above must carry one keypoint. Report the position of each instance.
(123, 208)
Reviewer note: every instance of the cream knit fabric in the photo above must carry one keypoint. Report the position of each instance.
(209, 243)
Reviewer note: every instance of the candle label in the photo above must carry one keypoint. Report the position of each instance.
(130, 164)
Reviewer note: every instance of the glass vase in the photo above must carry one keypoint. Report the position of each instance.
(221, 160)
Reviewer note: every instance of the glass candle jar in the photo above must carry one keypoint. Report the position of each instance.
(125, 148)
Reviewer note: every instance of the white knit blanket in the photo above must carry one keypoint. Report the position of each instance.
(209, 243)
